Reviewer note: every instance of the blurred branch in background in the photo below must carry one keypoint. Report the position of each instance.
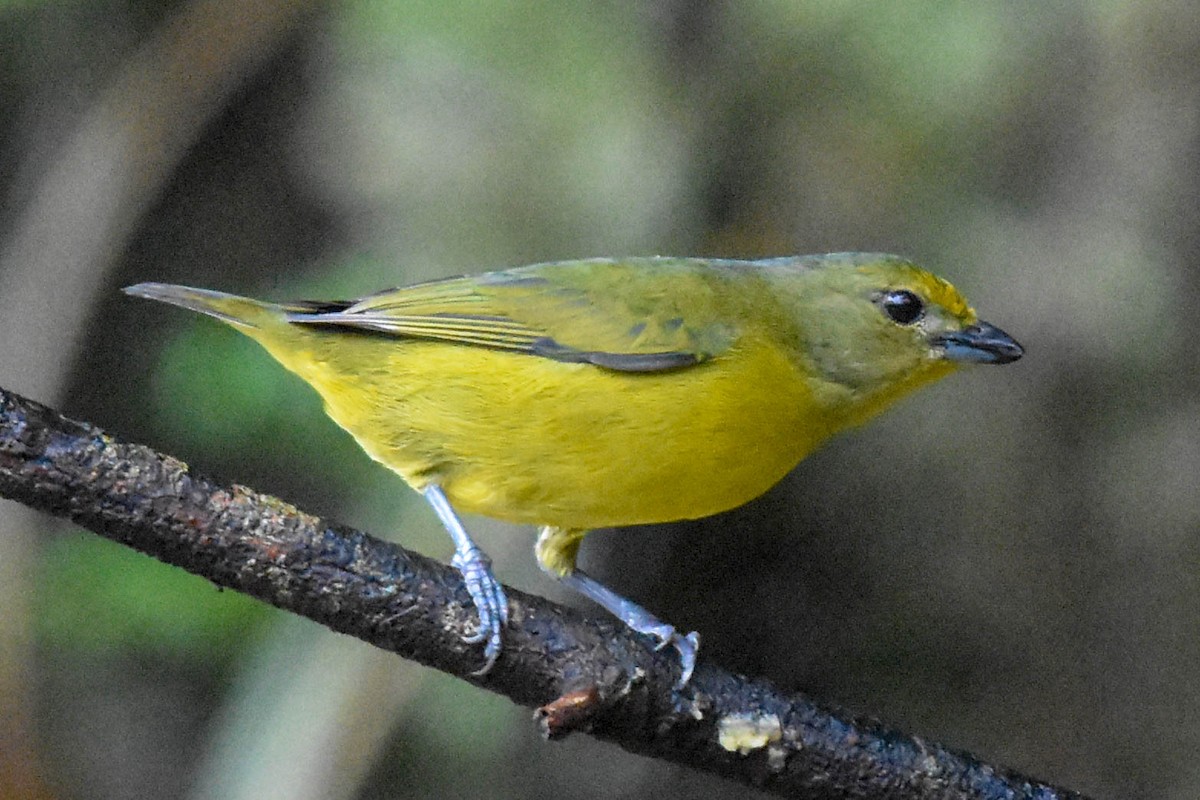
(607, 681)
(97, 182)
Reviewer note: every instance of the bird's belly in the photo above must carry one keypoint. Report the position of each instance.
(626, 481)
(531, 440)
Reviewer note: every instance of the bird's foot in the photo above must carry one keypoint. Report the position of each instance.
(487, 594)
(687, 644)
(640, 620)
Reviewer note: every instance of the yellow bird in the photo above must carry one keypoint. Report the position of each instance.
(588, 394)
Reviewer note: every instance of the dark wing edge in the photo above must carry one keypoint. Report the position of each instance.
(619, 362)
(489, 331)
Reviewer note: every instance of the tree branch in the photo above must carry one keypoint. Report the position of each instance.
(586, 674)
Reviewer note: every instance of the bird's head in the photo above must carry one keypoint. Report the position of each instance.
(873, 327)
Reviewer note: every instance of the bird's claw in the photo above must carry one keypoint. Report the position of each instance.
(490, 601)
(687, 645)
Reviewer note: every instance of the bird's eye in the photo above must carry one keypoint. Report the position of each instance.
(902, 306)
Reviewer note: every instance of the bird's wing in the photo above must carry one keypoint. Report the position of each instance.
(643, 315)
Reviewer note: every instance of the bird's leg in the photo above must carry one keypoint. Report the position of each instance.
(486, 592)
(557, 549)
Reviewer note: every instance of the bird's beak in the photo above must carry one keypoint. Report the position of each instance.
(979, 344)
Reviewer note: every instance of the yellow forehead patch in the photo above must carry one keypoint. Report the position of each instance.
(943, 293)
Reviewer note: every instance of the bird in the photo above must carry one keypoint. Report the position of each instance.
(605, 392)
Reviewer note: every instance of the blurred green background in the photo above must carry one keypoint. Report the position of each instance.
(1007, 563)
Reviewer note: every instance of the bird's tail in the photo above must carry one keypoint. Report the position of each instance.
(241, 312)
